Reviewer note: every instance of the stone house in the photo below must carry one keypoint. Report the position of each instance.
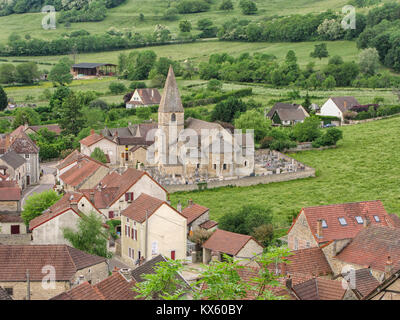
(145, 97)
(197, 217)
(14, 167)
(287, 114)
(94, 141)
(84, 174)
(48, 227)
(150, 226)
(389, 289)
(338, 106)
(10, 197)
(115, 192)
(11, 224)
(62, 266)
(238, 246)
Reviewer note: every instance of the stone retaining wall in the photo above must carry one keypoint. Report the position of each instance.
(19, 239)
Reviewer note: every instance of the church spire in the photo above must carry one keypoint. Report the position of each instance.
(171, 99)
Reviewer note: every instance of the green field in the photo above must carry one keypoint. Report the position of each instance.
(364, 167)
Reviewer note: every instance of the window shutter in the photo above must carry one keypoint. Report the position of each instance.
(135, 234)
(129, 232)
(131, 195)
(126, 196)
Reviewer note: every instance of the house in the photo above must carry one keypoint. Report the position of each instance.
(105, 144)
(115, 192)
(318, 289)
(55, 128)
(197, 217)
(360, 282)
(115, 287)
(373, 247)
(150, 226)
(10, 197)
(338, 106)
(49, 270)
(287, 114)
(238, 246)
(11, 224)
(14, 167)
(65, 213)
(144, 98)
(85, 173)
(87, 70)
(334, 225)
(389, 289)
(20, 142)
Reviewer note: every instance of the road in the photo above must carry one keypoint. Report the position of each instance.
(46, 182)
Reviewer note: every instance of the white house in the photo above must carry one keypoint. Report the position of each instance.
(337, 106)
(144, 98)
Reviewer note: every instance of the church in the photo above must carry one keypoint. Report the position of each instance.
(175, 149)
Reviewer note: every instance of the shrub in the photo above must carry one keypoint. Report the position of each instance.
(117, 87)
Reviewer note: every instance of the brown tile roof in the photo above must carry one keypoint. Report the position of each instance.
(51, 127)
(319, 289)
(364, 282)
(149, 96)
(9, 191)
(4, 295)
(92, 139)
(309, 262)
(288, 112)
(372, 246)
(84, 291)
(10, 218)
(209, 224)
(395, 219)
(345, 103)
(21, 143)
(56, 209)
(226, 242)
(117, 287)
(71, 158)
(194, 211)
(143, 205)
(83, 169)
(16, 259)
(349, 211)
(171, 99)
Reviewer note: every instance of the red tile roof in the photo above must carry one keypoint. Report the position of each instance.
(9, 191)
(71, 158)
(10, 218)
(395, 219)
(372, 246)
(51, 127)
(92, 139)
(16, 259)
(209, 224)
(364, 282)
(226, 242)
(143, 205)
(332, 213)
(115, 287)
(194, 211)
(319, 289)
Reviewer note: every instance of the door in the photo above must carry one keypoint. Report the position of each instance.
(15, 229)
(173, 254)
(28, 180)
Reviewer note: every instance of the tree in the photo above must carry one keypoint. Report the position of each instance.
(71, 117)
(220, 280)
(24, 116)
(330, 29)
(3, 99)
(164, 283)
(37, 203)
(226, 5)
(98, 155)
(60, 73)
(185, 26)
(27, 72)
(248, 7)
(117, 87)
(309, 130)
(329, 138)
(255, 120)
(214, 85)
(369, 61)
(228, 110)
(7, 73)
(91, 235)
(320, 51)
(329, 83)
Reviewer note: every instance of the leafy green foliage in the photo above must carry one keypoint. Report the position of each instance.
(255, 120)
(3, 99)
(60, 73)
(227, 110)
(37, 203)
(320, 51)
(71, 118)
(309, 130)
(98, 155)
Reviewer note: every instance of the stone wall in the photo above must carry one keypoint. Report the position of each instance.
(17, 239)
(246, 181)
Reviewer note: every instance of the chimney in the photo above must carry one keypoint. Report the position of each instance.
(388, 267)
(366, 222)
(91, 131)
(319, 228)
(91, 197)
(190, 202)
(179, 206)
(289, 283)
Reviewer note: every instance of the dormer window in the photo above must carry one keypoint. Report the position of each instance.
(173, 117)
(359, 220)
(377, 219)
(343, 221)
(324, 224)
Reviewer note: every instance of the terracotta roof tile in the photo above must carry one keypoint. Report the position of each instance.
(143, 205)
(10, 218)
(117, 287)
(372, 246)
(84, 291)
(319, 289)
(16, 259)
(395, 219)
(226, 242)
(81, 171)
(194, 211)
(92, 139)
(364, 282)
(209, 224)
(9, 191)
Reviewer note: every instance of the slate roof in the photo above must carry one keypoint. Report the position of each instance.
(171, 99)
(332, 213)
(319, 289)
(16, 259)
(345, 103)
(114, 287)
(4, 295)
(194, 211)
(143, 205)
(372, 246)
(149, 96)
(226, 242)
(132, 135)
(288, 112)
(13, 159)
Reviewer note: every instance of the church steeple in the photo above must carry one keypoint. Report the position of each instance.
(170, 99)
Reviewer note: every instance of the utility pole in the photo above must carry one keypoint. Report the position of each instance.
(28, 286)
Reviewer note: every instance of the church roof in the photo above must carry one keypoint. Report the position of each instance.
(171, 99)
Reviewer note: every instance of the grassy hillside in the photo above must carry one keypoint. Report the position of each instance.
(363, 167)
(127, 16)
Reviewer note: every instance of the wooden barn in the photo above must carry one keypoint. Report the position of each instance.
(93, 69)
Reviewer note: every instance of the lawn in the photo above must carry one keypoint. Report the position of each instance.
(363, 167)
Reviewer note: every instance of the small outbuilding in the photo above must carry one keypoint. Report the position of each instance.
(86, 69)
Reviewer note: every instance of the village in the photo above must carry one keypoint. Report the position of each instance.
(336, 251)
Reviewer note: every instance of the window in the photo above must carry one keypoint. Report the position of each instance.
(154, 247)
(129, 196)
(129, 232)
(26, 156)
(359, 220)
(110, 214)
(343, 221)
(173, 117)
(28, 167)
(215, 167)
(198, 166)
(296, 244)
(377, 219)
(130, 252)
(324, 224)
(224, 166)
(10, 291)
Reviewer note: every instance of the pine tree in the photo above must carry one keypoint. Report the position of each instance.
(3, 99)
